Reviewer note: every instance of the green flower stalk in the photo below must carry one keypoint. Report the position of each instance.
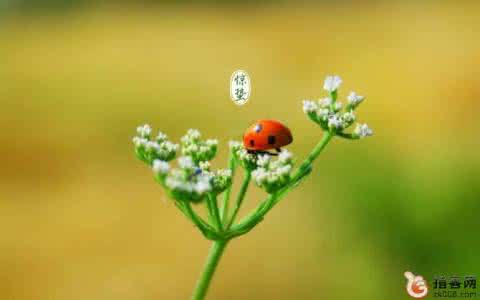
(192, 182)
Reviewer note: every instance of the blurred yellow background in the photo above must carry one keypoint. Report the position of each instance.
(81, 218)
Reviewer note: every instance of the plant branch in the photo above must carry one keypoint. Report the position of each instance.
(226, 196)
(204, 227)
(327, 136)
(211, 264)
(241, 196)
(347, 136)
(213, 211)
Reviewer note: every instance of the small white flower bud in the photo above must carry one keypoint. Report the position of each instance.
(144, 131)
(190, 149)
(272, 178)
(152, 146)
(285, 156)
(325, 102)
(199, 150)
(334, 122)
(186, 162)
(224, 173)
(332, 83)
(169, 146)
(204, 165)
(203, 184)
(221, 179)
(192, 136)
(202, 149)
(354, 99)
(309, 106)
(362, 130)
(275, 174)
(160, 166)
(263, 160)
(284, 170)
(194, 133)
(138, 141)
(234, 144)
(202, 187)
(323, 114)
(176, 184)
(161, 137)
(211, 142)
(243, 154)
(260, 175)
(348, 117)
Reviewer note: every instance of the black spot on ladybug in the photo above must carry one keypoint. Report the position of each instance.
(271, 139)
(258, 128)
(252, 143)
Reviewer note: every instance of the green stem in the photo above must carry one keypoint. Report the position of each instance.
(196, 219)
(213, 211)
(226, 196)
(211, 264)
(241, 195)
(327, 136)
(347, 136)
(211, 219)
(333, 96)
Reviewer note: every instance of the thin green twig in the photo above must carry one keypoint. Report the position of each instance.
(226, 196)
(186, 207)
(213, 208)
(241, 196)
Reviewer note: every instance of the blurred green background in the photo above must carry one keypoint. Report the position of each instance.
(81, 218)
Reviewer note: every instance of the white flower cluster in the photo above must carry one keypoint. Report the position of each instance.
(193, 179)
(221, 180)
(199, 150)
(272, 175)
(184, 186)
(332, 83)
(186, 162)
(144, 131)
(149, 150)
(362, 130)
(354, 100)
(327, 116)
(247, 160)
(192, 183)
(328, 113)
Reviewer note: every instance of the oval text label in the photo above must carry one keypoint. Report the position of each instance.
(240, 87)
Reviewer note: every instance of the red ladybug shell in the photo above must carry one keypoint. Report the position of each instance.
(267, 134)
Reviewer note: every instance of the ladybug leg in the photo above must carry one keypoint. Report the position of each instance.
(258, 152)
(278, 150)
(269, 153)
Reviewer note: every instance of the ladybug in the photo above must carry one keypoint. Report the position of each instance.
(265, 135)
